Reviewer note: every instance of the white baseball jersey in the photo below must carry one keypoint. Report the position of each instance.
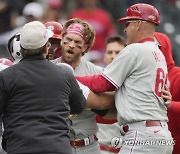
(107, 132)
(84, 124)
(138, 72)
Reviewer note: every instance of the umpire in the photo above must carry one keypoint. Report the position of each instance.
(36, 98)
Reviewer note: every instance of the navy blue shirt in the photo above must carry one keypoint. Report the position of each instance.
(36, 98)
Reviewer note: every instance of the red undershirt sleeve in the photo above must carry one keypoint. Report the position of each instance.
(96, 83)
(174, 107)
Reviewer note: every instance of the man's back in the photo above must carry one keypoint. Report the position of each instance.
(36, 109)
(84, 124)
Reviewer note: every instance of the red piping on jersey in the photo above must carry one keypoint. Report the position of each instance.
(146, 40)
(108, 79)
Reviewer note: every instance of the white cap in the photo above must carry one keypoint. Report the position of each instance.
(34, 35)
(34, 9)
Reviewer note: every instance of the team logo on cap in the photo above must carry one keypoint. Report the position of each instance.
(50, 28)
(151, 17)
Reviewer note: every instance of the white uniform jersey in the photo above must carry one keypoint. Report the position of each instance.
(84, 124)
(107, 132)
(138, 72)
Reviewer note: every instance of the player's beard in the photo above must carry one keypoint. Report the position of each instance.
(74, 58)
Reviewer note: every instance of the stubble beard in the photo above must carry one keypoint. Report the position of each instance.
(70, 60)
(66, 59)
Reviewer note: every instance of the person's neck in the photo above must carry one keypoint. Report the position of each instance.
(145, 36)
(73, 64)
(147, 31)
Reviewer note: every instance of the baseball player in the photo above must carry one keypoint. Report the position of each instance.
(109, 128)
(56, 28)
(77, 38)
(174, 78)
(138, 74)
(55, 50)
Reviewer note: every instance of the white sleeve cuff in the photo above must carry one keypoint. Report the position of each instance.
(85, 89)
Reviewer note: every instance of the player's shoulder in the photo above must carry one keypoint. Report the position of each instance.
(55, 61)
(131, 48)
(136, 47)
(135, 50)
(65, 67)
(90, 65)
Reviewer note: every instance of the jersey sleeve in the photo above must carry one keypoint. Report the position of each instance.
(84, 89)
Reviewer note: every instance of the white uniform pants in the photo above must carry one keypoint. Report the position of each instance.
(147, 140)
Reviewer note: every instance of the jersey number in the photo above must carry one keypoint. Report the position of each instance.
(161, 79)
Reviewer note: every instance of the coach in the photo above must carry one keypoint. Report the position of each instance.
(36, 98)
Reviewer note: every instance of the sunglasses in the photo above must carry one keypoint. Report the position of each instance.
(132, 21)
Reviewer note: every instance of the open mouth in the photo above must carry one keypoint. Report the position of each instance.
(70, 52)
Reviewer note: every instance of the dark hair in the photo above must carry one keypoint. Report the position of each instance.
(119, 39)
(33, 52)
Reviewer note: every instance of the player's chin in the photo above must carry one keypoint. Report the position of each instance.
(68, 59)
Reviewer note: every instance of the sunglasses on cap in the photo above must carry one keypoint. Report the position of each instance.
(132, 21)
